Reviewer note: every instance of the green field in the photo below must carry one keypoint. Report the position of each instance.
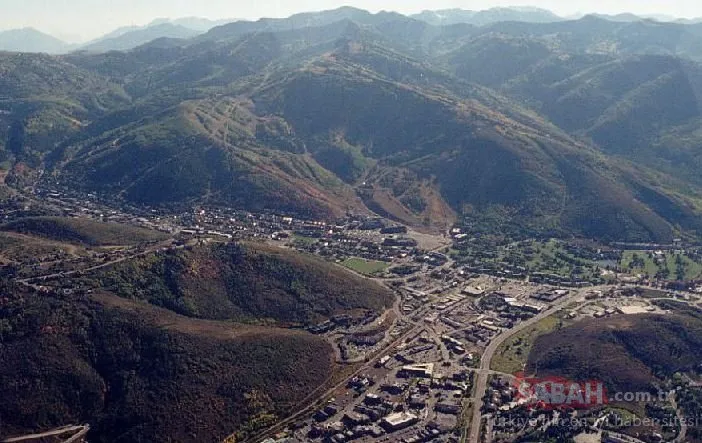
(366, 267)
(667, 266)
(302, 241)
(512, 355)
(550, 257)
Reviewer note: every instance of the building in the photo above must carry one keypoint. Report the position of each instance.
(394, 230)
(354, 418)
(523, 306)
(394, 389)
(448, 408)
(398, 421)
(417, 401)
(372, 399)
(383, 361)
(417, 371)
(473, 291)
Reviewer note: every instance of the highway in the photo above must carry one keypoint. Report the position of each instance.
(473, 435)
(484, 372)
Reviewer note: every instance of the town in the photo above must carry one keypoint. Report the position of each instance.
(426, 370)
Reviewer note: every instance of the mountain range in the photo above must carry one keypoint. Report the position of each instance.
(30, 40)
(138, 36)
(445, 17)
(129, 37)
(586, 127)
(124, 38)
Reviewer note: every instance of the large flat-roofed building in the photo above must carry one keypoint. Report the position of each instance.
(418, 370)
(473, 291)
(398, 421)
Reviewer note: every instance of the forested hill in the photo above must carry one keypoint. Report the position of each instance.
(155, 353)
(245, 283)
(586, 127)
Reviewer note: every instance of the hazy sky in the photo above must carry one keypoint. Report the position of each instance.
(91, 18)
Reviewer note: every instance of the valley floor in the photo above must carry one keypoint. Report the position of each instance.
(424, 370)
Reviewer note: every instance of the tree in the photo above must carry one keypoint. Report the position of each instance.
(16, 137)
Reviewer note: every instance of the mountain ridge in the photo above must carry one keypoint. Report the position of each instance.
(31, 40)
(389, 114)
(116, 40)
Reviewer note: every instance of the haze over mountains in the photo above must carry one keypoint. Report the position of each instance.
(30, 40)
(587, 127)
(128, 37)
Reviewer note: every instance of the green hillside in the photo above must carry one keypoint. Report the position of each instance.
(641, 106)
(84, 231)
(187, 345)
(628, 353)
(583, 127)
(244, 283)
(434, 153)
(137, 373)
(45, 100)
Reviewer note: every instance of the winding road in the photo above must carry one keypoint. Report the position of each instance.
(473, 436)
(43, 278)
(79, 434)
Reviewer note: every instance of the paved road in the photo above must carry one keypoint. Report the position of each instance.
(682, 435)
(309, 409)
(150, 250)
(416, 329)
(484, 370)
(80, 433)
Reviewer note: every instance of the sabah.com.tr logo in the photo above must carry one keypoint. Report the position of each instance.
(559, 392)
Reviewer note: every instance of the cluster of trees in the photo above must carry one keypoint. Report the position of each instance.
(663, 267)
(83, 231)
(71, 359)
(652, 347)
(244, 283)
(690, 400)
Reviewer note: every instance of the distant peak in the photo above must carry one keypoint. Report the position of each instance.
(350, 8)
(160, 21)
(593, 18)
